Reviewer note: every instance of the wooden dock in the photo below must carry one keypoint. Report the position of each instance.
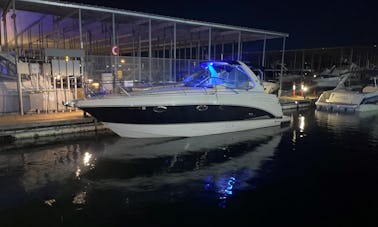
(295, 102)
(15, 127)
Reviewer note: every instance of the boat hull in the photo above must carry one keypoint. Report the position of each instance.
(347, 101)
(191, 129)
(333, 107)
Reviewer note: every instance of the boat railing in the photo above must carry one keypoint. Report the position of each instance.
(182, 90)
(98, 90)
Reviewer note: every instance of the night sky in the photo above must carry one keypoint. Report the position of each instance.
(311, 24)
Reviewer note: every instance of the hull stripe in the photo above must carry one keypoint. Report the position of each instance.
(176, 114)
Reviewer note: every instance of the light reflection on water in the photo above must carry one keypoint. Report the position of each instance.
(218, 163)
(142, 165)
(128, 175)
(342, 121)
(362, 123)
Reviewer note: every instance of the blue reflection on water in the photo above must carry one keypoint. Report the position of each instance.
(230, 185)
(223, 187)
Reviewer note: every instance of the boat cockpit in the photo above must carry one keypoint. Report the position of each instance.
(212, 74)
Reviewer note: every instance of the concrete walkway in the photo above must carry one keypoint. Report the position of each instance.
(52, 124)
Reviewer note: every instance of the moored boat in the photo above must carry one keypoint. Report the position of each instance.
(357, 98)
(219, 97)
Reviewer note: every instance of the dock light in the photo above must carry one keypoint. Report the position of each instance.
(305, 88)
(294, 89)
(96, 85)
(302, 88)
(123, 60)
(67, 58)
(314, 75)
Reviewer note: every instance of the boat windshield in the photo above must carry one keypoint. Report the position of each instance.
(211, 74)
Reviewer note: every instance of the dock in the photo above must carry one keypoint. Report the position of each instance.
(16, 127)
(295, 102)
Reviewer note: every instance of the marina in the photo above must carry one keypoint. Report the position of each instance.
(320, 168)
(114, 117)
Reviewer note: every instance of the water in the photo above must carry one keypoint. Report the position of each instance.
(320, 171)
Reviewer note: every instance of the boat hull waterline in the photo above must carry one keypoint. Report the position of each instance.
(190, 129)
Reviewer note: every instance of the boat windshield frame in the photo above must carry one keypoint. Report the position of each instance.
(212, 74)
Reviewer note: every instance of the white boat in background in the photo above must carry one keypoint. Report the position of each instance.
(344, 98)
(330, 78)
(271, 86)
(219, 97)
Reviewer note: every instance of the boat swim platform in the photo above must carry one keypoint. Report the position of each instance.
(16, 127)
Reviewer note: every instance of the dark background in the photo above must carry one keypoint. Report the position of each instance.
(311, 24)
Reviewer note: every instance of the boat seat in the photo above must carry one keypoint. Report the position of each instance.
(369, 89)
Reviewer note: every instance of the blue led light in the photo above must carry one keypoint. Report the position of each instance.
(213, 72)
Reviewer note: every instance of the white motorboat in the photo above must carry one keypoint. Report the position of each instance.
(219, 97)
(271, 86)
(346, 98)
(330, 78)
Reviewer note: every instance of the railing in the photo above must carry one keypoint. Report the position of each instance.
(99, 90)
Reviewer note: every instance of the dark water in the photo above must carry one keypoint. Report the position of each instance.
(320, 171)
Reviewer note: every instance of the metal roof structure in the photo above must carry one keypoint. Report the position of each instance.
(44, 31)
(95, 28)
